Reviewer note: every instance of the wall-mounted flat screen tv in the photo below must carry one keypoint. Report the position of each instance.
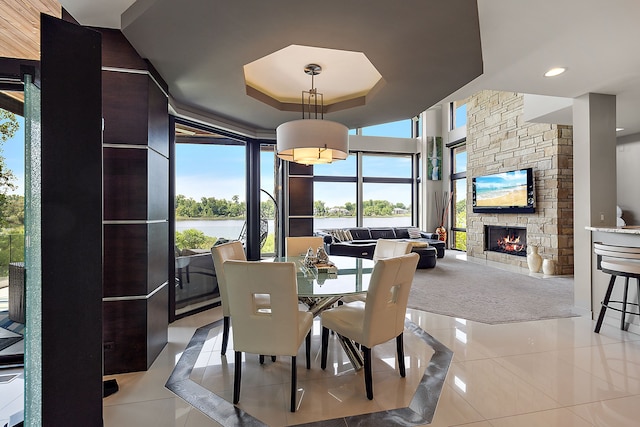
(505, 192)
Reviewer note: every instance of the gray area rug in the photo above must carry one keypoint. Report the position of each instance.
(477, 292)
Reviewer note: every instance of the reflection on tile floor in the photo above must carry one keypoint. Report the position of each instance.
(204, 378)
(553, 372)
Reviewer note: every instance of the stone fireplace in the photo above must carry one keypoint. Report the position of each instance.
(506, 240)
(499, 139)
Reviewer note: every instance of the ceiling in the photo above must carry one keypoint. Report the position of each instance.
(426, 51)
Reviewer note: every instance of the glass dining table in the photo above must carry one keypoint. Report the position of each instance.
(320, 288)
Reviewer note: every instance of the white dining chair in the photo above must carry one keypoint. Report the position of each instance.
(222, 253)
(391, 248)
(380, 318)
(384, 249)
(278, 331)
(298, 246)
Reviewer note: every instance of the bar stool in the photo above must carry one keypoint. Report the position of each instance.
(617, 261)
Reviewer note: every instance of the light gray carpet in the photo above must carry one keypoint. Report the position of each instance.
(485, 294)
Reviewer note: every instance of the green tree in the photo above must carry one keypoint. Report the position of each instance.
(351, 207)
(8, 128)
(193, 239)
(319, 208)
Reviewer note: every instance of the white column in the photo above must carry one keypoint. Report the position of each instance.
(432, 126)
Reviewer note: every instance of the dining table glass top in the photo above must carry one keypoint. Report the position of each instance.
(350, 277)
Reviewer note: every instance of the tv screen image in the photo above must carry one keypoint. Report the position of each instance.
(504, 192)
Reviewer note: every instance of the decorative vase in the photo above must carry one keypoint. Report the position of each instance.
(534, 260)
(549, 267)
(442, 233)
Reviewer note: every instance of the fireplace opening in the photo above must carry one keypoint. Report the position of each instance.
(506, 240)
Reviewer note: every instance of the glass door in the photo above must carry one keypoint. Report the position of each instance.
(19, 241)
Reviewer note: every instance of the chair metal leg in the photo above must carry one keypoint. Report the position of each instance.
(325, 344)
(236, 377)
(604, 303)
(368, 379)
(262, 359)
(225, 334)
(400, 351)
(294, 383)
(273, 358)
(623, 318)
(308, 349)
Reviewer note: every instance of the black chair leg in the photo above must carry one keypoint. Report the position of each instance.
(368, 379)
(624, 304)
(273, 358)
(604, 303)
(262, 359)
(294, 383)
(325, 344)
(236, 377)
(400, 351)
(308, 349)
(225, 334)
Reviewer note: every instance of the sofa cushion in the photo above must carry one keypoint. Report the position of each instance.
(401, 232)
(414, 233)
(382, 233)
(360, 233)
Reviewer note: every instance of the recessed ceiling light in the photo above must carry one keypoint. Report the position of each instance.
(555, 72)
(619, 129)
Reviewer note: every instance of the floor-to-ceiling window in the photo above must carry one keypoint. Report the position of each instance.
(371, 188)
(268, 204)
(210, 208)
(386, 190)
(12, 241)
(459, 196)
(334, 193)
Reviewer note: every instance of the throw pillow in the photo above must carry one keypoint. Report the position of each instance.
(347, 235)
(414, 233)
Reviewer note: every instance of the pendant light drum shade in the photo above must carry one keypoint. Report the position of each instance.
(312, 141)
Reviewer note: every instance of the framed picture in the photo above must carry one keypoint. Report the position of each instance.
(434, 158)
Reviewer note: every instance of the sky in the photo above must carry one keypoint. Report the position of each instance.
(218, 171)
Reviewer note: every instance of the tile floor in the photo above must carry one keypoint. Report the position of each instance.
(543, 373)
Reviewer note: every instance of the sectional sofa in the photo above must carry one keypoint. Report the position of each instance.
(361, 242)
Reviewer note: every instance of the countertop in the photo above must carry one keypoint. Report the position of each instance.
(627, 229)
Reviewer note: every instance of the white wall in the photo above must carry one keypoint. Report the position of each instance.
(628, 180)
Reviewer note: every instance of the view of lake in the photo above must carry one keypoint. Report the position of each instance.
(231, 228)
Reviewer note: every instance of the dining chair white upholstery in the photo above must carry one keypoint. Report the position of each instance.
(391, 248)
(220, 254)
(381, 318)
(277, 331)
(298, 246)
(384, 249)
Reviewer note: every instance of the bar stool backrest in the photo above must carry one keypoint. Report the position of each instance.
(622, 259)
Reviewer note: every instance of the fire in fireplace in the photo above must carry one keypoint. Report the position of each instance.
(507, 240)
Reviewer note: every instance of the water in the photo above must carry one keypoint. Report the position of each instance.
(231, 228)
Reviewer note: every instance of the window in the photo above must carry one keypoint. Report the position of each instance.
(386, 195)
(267, 198)
(459, 196)
(210, 206)
(399, 129)
(12, 160)
(458, 114)
(386, 190)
